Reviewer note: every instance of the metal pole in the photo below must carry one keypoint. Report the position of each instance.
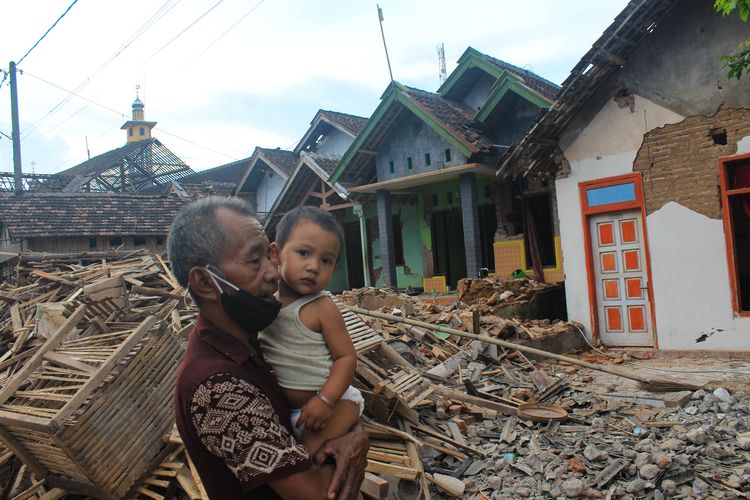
(382, 33)
(16, 133)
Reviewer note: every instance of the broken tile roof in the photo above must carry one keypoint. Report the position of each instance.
(532, 80)
(607, 55)
(40, 215)
(326, 162)
(353, 123)
(454, 116)
(229, 172)
(281, 158)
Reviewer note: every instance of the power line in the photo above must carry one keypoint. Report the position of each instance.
(183, 31)
(162, 131)
(74, 94)
(164, 9)
(47, 32)
(225, 33)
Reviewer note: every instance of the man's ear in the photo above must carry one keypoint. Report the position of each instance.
(274, 257)
(201, 284)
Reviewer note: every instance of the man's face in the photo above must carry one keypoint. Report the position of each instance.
(246, 258)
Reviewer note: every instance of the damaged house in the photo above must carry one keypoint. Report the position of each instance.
(319, 151)
(649, 145)
(423, 169)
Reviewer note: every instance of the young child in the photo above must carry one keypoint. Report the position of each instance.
(308, 345)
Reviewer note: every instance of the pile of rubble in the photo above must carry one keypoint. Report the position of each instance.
(606, 438)
(449, 414)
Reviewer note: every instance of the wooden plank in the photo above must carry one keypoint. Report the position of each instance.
(416, 460)
(394, 470)
(147, 492)
(15, 317)
(102, 285)
(196, 477)
(30, 491)
(188, 484)
(374, 486)
(52, 277)
(68, 362)
(53, 494)
(20, 378)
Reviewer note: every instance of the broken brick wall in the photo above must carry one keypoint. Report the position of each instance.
(678, 161)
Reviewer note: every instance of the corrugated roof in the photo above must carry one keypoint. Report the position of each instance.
(37, 215)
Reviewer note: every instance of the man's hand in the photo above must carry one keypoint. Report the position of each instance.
(350, 453)
(314, 415)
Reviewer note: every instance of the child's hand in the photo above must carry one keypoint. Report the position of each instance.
(315, 414)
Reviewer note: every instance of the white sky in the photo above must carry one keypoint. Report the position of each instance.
(261, 83)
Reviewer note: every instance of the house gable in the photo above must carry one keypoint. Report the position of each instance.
(404, 148)
(450, 120)
(330, 132)
(481, 81)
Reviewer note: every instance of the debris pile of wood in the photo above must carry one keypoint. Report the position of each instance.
(87, 367)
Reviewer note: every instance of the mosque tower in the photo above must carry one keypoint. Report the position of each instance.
(138, 129)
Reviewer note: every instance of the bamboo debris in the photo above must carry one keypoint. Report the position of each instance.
(80, 336)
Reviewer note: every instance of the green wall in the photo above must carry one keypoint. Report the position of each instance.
(417, 236)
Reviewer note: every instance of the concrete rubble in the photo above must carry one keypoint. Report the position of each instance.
(619, 441)
(448, 417)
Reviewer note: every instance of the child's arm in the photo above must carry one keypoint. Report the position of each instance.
(316, 412)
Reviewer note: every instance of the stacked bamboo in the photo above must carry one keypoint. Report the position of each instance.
(88, 372)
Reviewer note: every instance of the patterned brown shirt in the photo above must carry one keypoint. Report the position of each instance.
(233, 418)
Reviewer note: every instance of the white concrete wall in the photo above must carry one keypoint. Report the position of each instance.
(268, 190)
(692, 295)
(607, 147)
(335, 143)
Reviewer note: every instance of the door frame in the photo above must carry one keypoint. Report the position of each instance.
(586, 212)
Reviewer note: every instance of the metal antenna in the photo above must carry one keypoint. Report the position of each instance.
(441, 62)
(382, 33)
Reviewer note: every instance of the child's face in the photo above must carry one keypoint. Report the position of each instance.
(308, 258)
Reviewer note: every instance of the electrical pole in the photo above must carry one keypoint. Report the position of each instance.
(16, 133)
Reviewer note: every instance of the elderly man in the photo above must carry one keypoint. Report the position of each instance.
(230, 412)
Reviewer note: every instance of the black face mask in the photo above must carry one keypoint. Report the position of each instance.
(244, 308)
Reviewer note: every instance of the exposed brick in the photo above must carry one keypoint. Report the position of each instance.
(678, 161)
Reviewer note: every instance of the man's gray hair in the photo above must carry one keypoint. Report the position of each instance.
(195, 236)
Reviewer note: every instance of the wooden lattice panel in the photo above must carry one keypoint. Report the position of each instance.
(363, 337)
(88, 409)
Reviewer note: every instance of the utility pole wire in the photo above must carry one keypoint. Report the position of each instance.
(178, 35)
(26, 73)
(224, 34)
(46, 32)
(160, 12)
